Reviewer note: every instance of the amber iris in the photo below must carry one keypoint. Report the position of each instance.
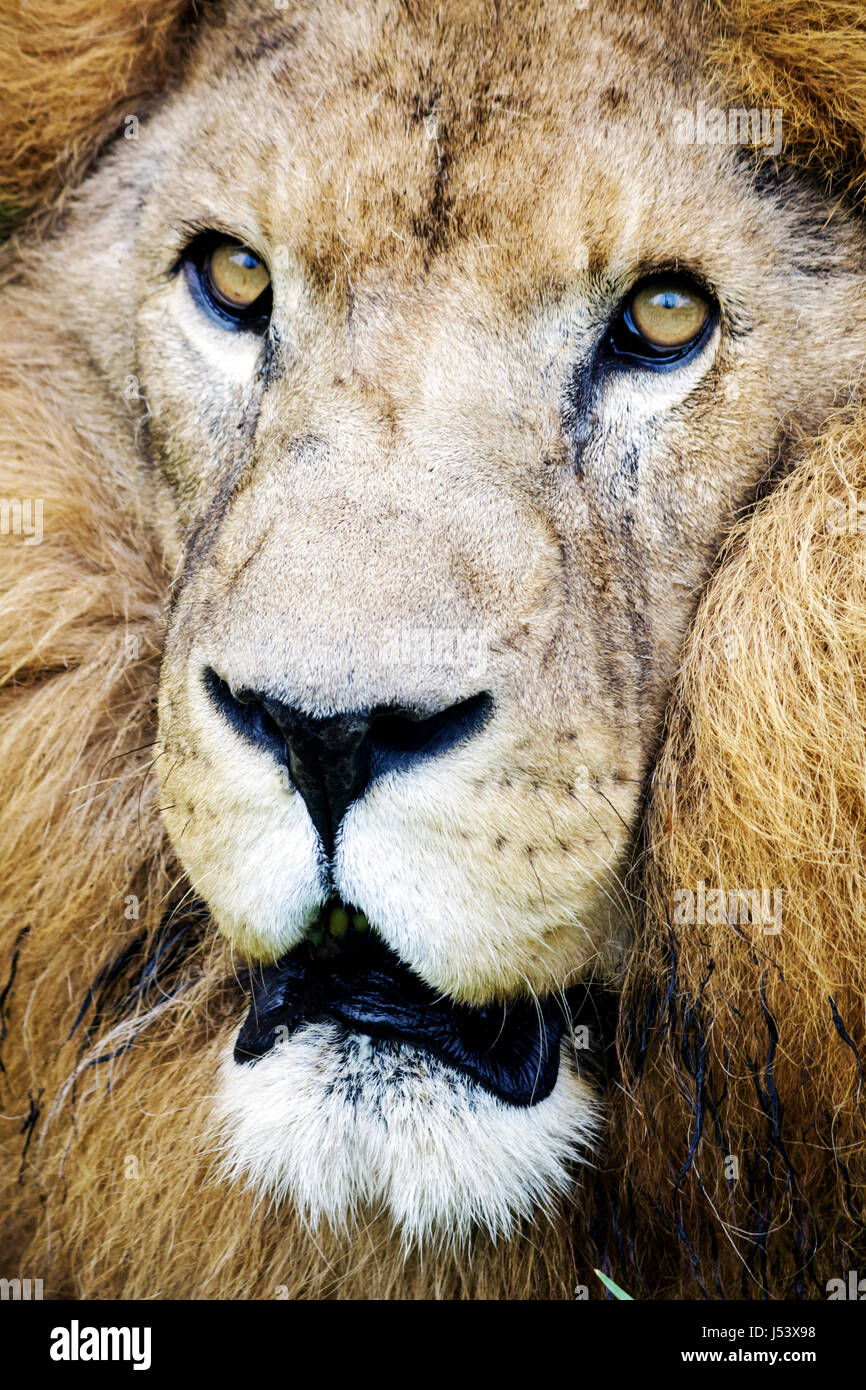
(668, 314)
(236, 276)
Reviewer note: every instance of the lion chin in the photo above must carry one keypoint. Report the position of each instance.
(353, 1087)
(340, 1124)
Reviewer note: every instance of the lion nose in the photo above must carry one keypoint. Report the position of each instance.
(332, 759)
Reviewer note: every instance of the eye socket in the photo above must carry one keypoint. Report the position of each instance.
(664, 320)
(230, 282)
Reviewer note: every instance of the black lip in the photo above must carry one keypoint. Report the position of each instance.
(513, 1052)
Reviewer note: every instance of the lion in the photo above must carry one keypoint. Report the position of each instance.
(432, 733)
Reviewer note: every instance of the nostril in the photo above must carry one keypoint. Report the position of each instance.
(395, 733)
(331, 759)
(403, 734)
(246, 712)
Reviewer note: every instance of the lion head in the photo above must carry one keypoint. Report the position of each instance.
(391, 385)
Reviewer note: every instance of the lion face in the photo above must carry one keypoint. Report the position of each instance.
(454, 365)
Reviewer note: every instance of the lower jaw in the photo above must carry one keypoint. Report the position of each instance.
(343, 1127)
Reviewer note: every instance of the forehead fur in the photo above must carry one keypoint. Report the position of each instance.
(392, 135)
(519, 152)
(71, 69)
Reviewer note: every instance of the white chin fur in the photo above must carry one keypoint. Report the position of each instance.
(337, 1123)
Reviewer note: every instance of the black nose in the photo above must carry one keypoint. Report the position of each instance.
(332, 760)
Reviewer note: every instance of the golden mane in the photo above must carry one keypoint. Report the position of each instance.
(70, 70)
(807, 58)
(743, 1042)
(742, 1048)
(736, 1160)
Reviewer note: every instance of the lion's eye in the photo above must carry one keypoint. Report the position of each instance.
(230, 282)
(663, 321)
(236, 276)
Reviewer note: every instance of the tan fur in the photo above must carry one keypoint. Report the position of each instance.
(758, 1050)
(807, 57)
(72, 71)
(760, 783)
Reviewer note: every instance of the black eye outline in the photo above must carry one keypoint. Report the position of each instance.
(255, 317)
(626, 345)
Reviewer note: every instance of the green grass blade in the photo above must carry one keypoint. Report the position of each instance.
(614, 1288)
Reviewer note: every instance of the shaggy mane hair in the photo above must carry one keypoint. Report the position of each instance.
(736, 1157)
